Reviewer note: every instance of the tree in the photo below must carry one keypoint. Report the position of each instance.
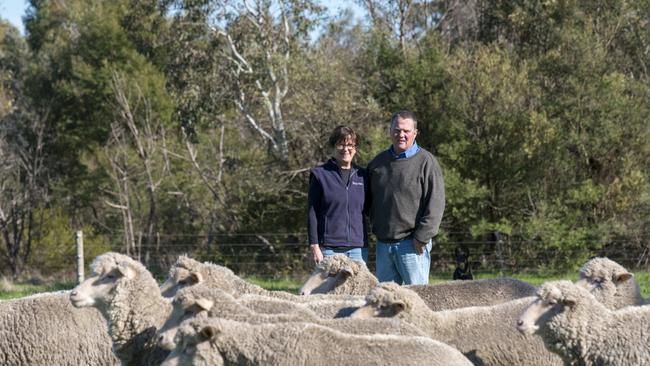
(23, 173)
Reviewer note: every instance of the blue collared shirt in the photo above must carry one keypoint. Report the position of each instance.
(406, 154)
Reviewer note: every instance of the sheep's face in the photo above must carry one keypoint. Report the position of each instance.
(383, 310)
(98, 290)
(184, 308)
(609, 282)
(195, 346)
(179, 278)
(325, 279)
(550, 302)
(383, 301)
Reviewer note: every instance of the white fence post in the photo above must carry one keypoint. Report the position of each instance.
(80, 256)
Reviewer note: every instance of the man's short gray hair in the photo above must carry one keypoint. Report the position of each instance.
(404, 114)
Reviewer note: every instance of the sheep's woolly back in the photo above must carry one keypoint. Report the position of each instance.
(600, 275)
(324, 306)
(45, 329)
(585, 332)
(484, 292)
(302, 344)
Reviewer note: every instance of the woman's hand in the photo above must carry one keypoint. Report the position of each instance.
(316, 254)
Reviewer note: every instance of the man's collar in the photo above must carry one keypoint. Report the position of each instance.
(405, 154)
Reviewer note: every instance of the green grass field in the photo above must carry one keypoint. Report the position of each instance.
(11, 291)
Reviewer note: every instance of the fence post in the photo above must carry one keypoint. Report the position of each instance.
(80, 256)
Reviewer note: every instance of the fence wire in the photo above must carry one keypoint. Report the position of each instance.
(287, 255)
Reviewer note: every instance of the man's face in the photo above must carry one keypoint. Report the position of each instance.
(403, 134)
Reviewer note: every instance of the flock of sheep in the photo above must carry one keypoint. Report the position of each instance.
(206, 315)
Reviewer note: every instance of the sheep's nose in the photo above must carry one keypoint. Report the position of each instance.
(73, 293)
(520, 322)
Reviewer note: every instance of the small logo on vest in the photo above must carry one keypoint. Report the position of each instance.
(357, 183)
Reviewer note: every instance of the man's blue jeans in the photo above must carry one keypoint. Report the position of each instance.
(356, 253)
(398, 262)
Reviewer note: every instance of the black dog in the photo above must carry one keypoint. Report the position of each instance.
(463, 266)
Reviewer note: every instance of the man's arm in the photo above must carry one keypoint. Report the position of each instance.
(433, 203)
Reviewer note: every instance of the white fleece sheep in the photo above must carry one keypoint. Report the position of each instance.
(575, 324)
(188, 272)
(202, 301)
(45, 329)
(128, 297)
(326, 307)
(485, 334)
(224, 342)
(612, 284)
(339, 274)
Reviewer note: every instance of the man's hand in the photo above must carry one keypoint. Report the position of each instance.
(419, 246)
(316, 254)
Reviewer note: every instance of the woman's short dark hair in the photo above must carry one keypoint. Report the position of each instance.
(341, 134)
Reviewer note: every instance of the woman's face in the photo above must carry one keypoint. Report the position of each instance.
(344, 151)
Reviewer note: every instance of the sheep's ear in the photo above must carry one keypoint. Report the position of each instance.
(204, 304)
(125, 271)
(398, 307)
(347, 271)
(208, 332)
(569, 301)
(619, 278)
(194, 278)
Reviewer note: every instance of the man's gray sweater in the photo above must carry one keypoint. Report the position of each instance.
(407, 196)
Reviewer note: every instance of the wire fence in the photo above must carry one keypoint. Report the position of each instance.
(287, 255)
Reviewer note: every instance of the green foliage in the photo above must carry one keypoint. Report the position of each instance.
(54, 250)
(536, 110)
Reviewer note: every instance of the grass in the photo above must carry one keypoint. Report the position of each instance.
(10, 290)
(16, 290)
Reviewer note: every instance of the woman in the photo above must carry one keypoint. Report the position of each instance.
(337, 191)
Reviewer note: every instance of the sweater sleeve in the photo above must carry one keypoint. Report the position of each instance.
(314, 200)
(433, 202)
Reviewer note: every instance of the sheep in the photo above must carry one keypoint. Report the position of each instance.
(339, 274)
(610, 283)
(486, 335)
(332, 276)
(201, 301)
(45, 329)
(583, 331)
(129, 299)
(225, 342)
(324, 307)
(484, 292)
(188, 272)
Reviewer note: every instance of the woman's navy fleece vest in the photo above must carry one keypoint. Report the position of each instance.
(336, 211)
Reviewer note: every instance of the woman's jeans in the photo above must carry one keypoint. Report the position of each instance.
(354, 253)
(398, 262)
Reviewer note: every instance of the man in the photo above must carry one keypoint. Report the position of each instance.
(407, 199)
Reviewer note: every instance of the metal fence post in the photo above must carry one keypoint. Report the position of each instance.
(80, 256)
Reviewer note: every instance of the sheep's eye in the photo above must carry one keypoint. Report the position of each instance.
(332, 274)
(109, 276)
(552, 302)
